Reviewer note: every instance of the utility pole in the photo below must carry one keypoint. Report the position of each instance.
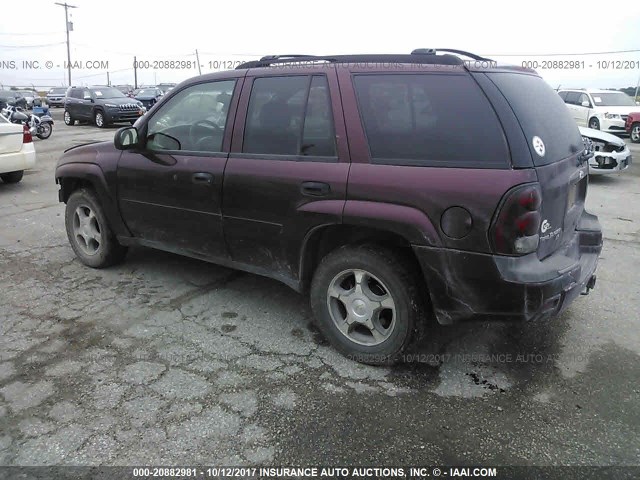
(108, 82)
(66, 17)
(635, 95)
(198, 60)
(135, 73)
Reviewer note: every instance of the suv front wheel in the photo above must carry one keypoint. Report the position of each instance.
(68, 119)
(88, 231)
(366, 302)
(100, 119)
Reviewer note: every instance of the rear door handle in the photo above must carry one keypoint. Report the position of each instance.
(202, 178)
(315, 189)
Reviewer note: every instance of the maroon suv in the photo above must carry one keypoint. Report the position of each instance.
(393, 188)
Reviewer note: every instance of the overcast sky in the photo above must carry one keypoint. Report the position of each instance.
(230, 31)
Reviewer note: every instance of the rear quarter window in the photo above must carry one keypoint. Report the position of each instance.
(429, 120)
(541, 113)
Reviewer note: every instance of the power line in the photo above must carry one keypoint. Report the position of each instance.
(16, 34)
(559, 54)
(32, 46)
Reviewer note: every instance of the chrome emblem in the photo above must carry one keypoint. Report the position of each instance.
(545, 226)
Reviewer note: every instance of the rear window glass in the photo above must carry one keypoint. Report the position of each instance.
(431, 120)
(541, 113)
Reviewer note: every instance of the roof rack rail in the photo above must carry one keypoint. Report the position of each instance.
(355, 58)
(279, 57)
(462, 52)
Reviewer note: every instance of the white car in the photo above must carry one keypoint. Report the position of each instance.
(611, 154)
(605, 110)
(17, 152)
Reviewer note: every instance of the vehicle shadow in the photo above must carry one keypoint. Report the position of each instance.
(478, 350)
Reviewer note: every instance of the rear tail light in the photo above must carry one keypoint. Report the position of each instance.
(517, 223)
(26, 135)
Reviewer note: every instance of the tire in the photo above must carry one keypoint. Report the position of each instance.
(47, 129)
(68, 119)
(84, 217)
(635, 132)
(384, 274)
(594, 123)
(99, 119)
(12, 177)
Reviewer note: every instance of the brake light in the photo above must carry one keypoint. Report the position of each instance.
(26, 135)
(516, 226)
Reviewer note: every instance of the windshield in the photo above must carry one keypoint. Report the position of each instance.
(26, 93)
(7, 94)
(613, 99)
(108, 92)
(146, 93)
(58, 91)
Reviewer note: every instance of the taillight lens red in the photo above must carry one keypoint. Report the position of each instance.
(516, 226)
(26, 135)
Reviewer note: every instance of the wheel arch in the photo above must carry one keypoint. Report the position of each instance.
(324, 239)
(72, 177)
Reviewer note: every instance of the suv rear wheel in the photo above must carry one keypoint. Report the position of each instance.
(594, 123)
(88, 231)
(365, 300)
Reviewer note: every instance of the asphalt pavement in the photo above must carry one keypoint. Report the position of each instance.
(169, 360)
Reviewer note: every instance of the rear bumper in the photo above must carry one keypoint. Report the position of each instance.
(22, 160)
(464, 285)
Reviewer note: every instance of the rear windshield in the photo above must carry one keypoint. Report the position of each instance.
(542, 114)
(58, 91)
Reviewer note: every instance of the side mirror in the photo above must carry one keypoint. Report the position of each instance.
(126, 138)
(586, 103)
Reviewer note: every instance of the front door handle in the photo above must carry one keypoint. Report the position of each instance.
(202, 178)
(315, 189)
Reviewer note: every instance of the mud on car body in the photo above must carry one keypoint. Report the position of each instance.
(421, 188)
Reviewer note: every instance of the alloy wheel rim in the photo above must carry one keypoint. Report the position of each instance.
(635, 133)
(67, 118)
(361, 307)
(99, 119)
(86, 230)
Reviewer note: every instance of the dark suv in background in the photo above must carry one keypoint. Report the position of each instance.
(392, 188)
(101, 105)
(56, 96)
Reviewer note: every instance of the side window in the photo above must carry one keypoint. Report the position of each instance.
(318, 136)
(572, 98)
(194, 120)
(583, 98)
(75, 93)
(418, 119)
(563, 95)
(290, 116)
(86, 94)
